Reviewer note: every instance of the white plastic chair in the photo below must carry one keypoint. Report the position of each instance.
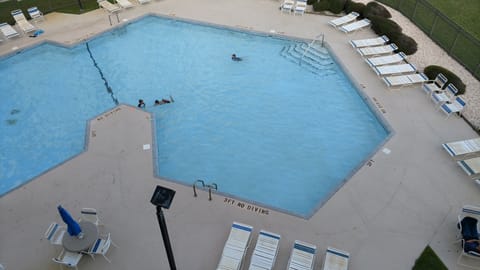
(69, 259)
(300, 7)
(55, 233)
(90, 215)
(456, 106)
(344, 20)
(435, 85)
(335, 259)
(101, 247)
(235, 248)
(443, 96)
(287, 6)
(473, 212)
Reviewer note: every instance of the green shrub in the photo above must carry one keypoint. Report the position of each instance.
(336, 6)
(384, 26)
(311, 2)
(404, 43)
(321, 6)
(432, 72)
(375, 9)
(354, 6)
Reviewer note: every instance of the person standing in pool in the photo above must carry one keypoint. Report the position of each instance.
(163, 101)
(141, 104)
(236, 58)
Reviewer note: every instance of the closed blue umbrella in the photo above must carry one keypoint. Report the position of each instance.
(73, 227)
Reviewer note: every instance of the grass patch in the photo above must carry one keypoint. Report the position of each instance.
(428, 260)
(463, 12)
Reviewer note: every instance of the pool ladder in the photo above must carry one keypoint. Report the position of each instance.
(317, 38)
(203, 186)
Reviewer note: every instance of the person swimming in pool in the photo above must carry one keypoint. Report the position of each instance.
(163, 101)
(236, 58)
(141, 104)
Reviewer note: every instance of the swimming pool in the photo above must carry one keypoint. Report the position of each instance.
(265, 129)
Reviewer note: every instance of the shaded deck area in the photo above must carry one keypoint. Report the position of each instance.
(394, 206)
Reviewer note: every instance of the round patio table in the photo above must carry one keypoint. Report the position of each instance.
(75, 244)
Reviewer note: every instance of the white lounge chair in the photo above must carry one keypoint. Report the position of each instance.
(435, 85)
(124, 3)
(394, 69)
(463, 149)
(442, 96)
(101, 247)
(55, 233)
(386, 59)
(335, 259)
(471, 166)
(456, 106)
(369, 42)
(472, 212)
(69, 259)
(265, 252)
(300, 7)
(287, 6)
(302, 257)
(8, 31)
(22, 22)
(143, 1)
(351, 27)
(377, 50)
(350, 17)
(235, 248)
(404, 80)
(35, 14)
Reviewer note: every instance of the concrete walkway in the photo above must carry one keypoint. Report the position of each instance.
(384, 215)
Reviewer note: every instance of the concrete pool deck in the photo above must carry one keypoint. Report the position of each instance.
(394, 205)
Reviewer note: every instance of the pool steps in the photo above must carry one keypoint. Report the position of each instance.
(316, 59)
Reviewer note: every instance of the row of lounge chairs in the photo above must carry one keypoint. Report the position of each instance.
(297, 7)
(21, 21)
(349, 23)
(265, 252)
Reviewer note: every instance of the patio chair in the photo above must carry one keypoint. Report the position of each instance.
(90, 214)
(109, 7)
(22, 22)
(377, 50)
(300, 7)
(442, 96)
(265, 252)
(101, 247)
(404, 80)
(35, 14)
(471, 166)
(468, 227)
(287, 6)
(8, 31)
(302, 257)
(394, 69)
(355, 26)
(55, 233)
(69, 259)
(386, 59)
(235, 247)
(350, 17)
(436, 85)
(369, 42)
(335, 259)
(463, 149)
(456, 106)
(143, 1)
(124, 3)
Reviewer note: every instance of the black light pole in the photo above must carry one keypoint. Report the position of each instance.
(162, 197)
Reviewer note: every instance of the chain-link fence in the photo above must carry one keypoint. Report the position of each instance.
(459, 44)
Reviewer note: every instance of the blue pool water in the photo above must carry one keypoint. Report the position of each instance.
(265, 129)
